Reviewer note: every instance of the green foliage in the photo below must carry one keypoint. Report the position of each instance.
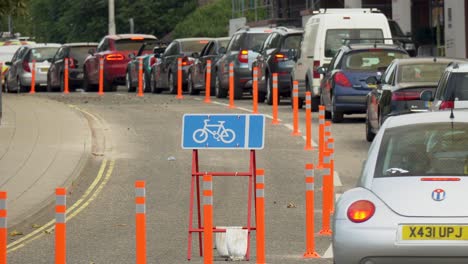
(211, 20)
(13, 7)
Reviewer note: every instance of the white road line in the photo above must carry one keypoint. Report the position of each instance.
(196, 98)
(328, 253)
(337, 196)
(245, 109)
(313, 142)
(336, 179)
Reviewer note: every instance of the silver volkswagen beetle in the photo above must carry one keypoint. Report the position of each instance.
(411, 202)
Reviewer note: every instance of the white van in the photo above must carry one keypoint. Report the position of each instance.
(325, 32)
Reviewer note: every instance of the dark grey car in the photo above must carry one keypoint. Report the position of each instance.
(242, 50)
(275, 57)
(197, 72)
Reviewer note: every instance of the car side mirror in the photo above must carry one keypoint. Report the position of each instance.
(222, 50)
(8, 63)
(195, 55)
(91, 52)
(373, 80)
(426, 96)
(322, 70)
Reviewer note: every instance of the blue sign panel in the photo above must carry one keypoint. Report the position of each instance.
(218, 131)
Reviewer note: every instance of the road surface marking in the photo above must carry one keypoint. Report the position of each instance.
(337, 180)
(328, 253)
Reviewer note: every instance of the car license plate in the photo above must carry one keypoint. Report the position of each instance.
(372, 86)
(435, 232)
(44, 69)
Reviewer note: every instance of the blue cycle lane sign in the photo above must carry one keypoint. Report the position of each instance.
(223, 131)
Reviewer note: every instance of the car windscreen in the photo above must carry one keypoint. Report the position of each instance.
(371, 60)
(421, 72)
(130, 44)
(41, 54)
(254, 41)
(292, 42)
(424, 149)
(456, 88)
(192, 46)
(223, 43)
(335, 38)
(395, 29)
(80, 53)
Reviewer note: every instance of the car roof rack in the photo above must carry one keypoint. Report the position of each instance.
(374, 39)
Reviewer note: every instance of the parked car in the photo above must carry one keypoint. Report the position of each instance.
(452, 90)
(133, 66)
(7, 50)
(242, 50)
(324, 34)
(19, 75)
(399, 89)
(275, 56)
(76, 54)
(164, 71)
(405, 40)
(114, 50)
(343, 88)
(407, 206)
(197, 72)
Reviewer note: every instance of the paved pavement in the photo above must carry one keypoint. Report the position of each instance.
(43, 145)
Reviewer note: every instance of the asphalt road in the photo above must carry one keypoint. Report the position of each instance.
(139, 139)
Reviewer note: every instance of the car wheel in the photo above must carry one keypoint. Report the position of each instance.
(190, 87)
(219, 91)
(153, 84)
(269, 88)
(128, 83)
(336, 116)
(146, 85)
(49, 85)
(238, 90)
(7, 89)
(62, 83)
(369, 134)
(86, 84)
(172, 84)
(20, 87)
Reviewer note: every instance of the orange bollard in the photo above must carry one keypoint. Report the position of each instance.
(208, 82)
(33, 78)
(101, 76)
(65, 77)
(140, 77)
(308, 106)
(3, 227)
(310, 225)
(331, 148)
(179, 79)
(255, 91)
(60, 225)
(260, 214)
(208, 219)
(275, 99)
(231, 85)
(296, 109)
(140, 219)
(326, 203)
(321, 134)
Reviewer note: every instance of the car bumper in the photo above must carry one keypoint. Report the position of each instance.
(39, 79)
(115, 73)
(243, 77)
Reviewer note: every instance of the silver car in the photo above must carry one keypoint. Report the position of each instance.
(409, 205)
(19, 75)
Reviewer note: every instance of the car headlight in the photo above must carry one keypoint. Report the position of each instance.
(409, 46)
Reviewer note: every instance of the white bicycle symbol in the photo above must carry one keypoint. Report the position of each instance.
(218, 131)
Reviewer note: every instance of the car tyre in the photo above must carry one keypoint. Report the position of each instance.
(21, 87)
(238, 90)
(86, 84)
(153, 84)
(172, 84)
(128, 83)
(146, 85)
(219, 91)
(62, 83)
(369, 134)
(190, 86)
(49, 85)
(269, 88)
(336, 116)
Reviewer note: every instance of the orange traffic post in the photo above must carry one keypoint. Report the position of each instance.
(208, 219)
(33, 78)
(310, 225)
(255, 91)
(231, 85)
(65, 77)
(326, 203)
(3, 227)
(331, 149)
(179, 79)
(260, 214)
(101, 76)
(275, 99)
(140, 219)
(140, 77)
(60, 225)
(296, 109)
(321, 134)
(308, 106)
(208, 82)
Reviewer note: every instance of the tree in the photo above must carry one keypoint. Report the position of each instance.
(13, 7)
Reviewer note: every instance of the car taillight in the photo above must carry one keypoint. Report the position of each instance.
(405, 96)
(186, 61)
(447, 105)
(243, 56)
(114, 57)
(26, 67)
(280, 57)
(342, 80)
(152, 61)
(72, 63)
(316, 66)
(361, 211)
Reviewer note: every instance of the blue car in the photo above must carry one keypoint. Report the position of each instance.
(344, 89)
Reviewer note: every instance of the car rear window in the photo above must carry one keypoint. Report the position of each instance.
(335, 38)
(424, 150)
(371, 60)
(193, 45)
(42, 54)
(292, 42)
(456, 87)
(254, 41)
(80, 53)
(130, 44)
(422, 72)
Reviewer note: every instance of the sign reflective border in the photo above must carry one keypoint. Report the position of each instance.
(223, 131)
